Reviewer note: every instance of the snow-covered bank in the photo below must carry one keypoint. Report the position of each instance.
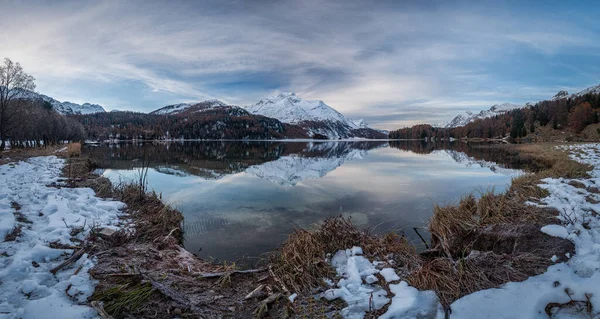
(566, 290)
(51, 222)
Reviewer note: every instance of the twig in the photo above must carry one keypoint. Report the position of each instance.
(278, 280)
(422, 239)
(67, 262)
(254, 293)
(100, 309)
(220, 274)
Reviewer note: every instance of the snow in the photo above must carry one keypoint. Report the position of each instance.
(408, 303)
(178, 108)
(28, 288)
(468, 116)
(357, 288)
(555, 230)
(292, 297)
(353, 268)
(65, 107)
(389, 274)
(591, 90)
(572, 284)
(577, 279)
(290, 108)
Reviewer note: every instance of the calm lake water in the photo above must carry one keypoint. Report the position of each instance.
(241, 199)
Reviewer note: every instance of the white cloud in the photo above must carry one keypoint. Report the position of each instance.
(354, 56)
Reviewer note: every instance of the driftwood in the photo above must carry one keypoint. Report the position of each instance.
(67, 262)
(220, 274)
(98, 306)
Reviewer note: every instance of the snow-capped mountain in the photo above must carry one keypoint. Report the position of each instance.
(66, 107)
(181, 107)
(468, 116)
(591, 90)
(314, 116)
(290, 108)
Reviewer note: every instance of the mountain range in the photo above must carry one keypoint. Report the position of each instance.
(68, 108)
(315, 118)
(468, 116)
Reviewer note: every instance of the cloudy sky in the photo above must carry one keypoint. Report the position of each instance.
(394, 64)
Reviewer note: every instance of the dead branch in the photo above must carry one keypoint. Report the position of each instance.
(67, 262)
(100, 309)
(220, 274)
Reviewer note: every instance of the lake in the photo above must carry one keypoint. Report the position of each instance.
(241, 199)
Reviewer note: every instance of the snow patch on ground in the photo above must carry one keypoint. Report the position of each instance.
(357, 288)
(46, 215)
(575, 281)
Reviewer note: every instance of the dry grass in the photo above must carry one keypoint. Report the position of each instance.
(455, 228)
(453, 279)
(74, 149)
(450, 224)
(300, 261)
(153, 218)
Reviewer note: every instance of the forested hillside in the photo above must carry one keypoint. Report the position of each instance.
(225, 122)
(572, 114)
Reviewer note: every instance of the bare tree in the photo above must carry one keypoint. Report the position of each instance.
(15, 85)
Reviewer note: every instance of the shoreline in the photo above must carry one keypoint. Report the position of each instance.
(143, 260)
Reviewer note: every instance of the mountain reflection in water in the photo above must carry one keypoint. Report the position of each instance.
(242, 199)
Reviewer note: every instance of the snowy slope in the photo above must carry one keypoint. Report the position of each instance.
(181, 107)
(592, 90)
(290, 108)
(314, 116)
(48, 218)
(468, 117)
(69, 107)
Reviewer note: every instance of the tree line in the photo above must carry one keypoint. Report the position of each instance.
(573, 113)
(217, 123)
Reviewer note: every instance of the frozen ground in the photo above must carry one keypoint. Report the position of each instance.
(565, 290)
(47, 217)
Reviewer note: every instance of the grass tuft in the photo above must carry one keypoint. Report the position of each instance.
(300, 261)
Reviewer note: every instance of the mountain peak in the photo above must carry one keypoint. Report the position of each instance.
(316, 116)
(562, 94)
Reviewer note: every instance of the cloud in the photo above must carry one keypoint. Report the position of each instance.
(353, 55)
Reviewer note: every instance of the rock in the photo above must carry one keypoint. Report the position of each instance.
(107, 233)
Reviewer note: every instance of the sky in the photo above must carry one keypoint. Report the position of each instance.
(394, 64)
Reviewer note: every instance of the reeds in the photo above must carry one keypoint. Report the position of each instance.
(301, 260)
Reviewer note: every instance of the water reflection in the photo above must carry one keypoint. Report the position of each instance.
(244, 198)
